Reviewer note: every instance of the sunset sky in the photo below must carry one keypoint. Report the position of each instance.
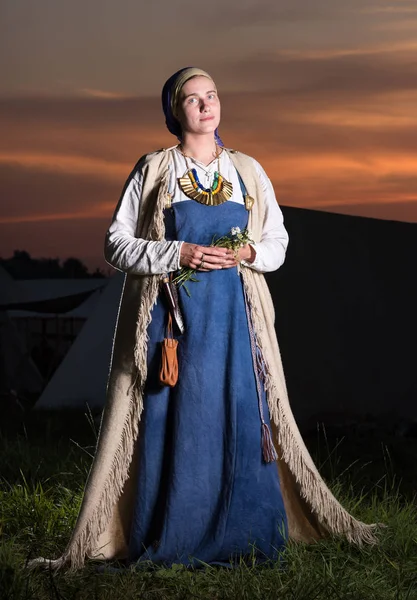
(322, 92)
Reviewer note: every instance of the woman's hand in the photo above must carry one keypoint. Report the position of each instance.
(206, 258)
(246, 253)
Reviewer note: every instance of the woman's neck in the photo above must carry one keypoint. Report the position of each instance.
(201, 148)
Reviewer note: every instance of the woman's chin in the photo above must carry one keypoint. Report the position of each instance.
(203, 128)
(209, 127)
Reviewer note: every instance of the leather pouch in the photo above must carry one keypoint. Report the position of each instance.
(168, 374)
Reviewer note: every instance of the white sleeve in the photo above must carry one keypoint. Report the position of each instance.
(270, 251)
(126, 252)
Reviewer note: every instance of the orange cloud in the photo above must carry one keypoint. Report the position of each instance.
(98, 211)
(104, 95)
(386, 48)
(398, 9)
(77, 165)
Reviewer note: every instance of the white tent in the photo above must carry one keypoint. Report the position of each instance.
(18, 373)
(81, 378)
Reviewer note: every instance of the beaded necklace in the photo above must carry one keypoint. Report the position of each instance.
(220, 190)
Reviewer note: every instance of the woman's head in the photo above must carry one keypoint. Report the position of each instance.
(191, 104)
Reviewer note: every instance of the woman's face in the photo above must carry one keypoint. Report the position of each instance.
(199, 106)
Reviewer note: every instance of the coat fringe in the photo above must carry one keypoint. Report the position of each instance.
(84, 543)
(313, 489)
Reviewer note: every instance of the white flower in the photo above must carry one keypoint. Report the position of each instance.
(235, 230)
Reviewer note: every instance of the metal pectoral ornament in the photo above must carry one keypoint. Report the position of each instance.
(220, 191)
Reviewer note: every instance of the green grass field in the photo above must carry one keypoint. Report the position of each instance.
(43, 465)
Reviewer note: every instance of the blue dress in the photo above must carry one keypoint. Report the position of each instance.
(204, 493)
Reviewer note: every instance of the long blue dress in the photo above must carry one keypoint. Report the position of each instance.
(204, 493)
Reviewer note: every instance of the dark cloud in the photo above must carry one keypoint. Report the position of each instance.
(339, 75)
(393, 211)
(399, 183)
(82, 238)
(281, 126)
(265, 12)
(116, 130)
(26, 191)
(90, 112)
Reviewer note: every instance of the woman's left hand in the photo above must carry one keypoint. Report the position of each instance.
(246, 253)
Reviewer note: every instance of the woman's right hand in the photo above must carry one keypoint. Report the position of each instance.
(206, 258)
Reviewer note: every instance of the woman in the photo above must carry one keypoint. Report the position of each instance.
(189, 473)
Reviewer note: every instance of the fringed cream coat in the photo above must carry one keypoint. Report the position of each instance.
(103, 524)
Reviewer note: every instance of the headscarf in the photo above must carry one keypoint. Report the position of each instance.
(170, 98)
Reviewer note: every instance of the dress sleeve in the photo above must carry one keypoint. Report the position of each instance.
(126, 252)
(270, 251)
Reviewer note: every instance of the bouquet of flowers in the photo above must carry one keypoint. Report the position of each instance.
(234, 240)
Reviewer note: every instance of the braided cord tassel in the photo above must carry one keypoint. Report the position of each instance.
(269, 452)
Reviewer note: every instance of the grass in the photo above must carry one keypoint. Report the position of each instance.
(42, 473)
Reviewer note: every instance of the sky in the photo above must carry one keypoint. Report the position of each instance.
(323, 93)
